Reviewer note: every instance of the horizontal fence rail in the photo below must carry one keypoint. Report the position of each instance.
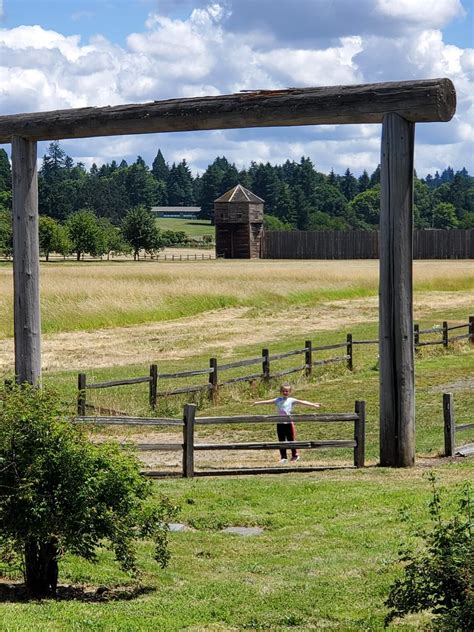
(451, 429)
(362, 244)
(266, 362)
(189, 446)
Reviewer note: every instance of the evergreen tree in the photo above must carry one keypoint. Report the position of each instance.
(284, 206)
(211, 189)
(56, 193)
(375, 177)
(348, 185)
(447, 175)
(180, 185)
(5, 172)
(332, 178)
(141, 186)
(266, 184)
(302, 208)
(363, 182)
(160, 168)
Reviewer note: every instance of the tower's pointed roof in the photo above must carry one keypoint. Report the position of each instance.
(240, 194)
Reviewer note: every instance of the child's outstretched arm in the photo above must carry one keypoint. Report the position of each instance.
(305, 403)
(263, 401)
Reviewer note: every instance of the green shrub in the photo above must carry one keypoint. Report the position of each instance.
(60, 493)
(439, 571)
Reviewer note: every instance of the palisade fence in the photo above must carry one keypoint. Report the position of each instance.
(188, 446)
(451, 429)
(363, 244)
(437, 335)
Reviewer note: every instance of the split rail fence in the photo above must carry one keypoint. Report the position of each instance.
(451, 429)
(189, 445)
(265, 361)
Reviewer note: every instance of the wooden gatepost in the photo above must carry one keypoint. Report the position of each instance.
(397, 105)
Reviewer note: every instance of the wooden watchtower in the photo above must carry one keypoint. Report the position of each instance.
(238, 217)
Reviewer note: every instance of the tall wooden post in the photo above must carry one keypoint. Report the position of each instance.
(189, 414)
(397, 387)
(27, 321)
(449, 424)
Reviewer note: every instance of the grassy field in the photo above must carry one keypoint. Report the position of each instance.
(324, 560)
(328, 549)
(192, 227)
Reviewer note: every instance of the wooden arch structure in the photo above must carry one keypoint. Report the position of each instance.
(397, 105)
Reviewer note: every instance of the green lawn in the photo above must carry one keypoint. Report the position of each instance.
(325, 559)
(192, 227)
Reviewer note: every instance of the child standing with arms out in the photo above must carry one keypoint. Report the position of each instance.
(286, 429)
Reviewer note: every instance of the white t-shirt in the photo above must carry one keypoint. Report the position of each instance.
(284, 405)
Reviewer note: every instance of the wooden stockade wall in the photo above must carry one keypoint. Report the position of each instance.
(362, 244)
(437, 335)
(188, 446)
(450, 429)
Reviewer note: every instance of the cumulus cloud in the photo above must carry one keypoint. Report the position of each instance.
(232, 45)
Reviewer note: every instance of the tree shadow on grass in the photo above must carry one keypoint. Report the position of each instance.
(16, 592)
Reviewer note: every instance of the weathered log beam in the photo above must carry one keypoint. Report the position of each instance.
(423, 101)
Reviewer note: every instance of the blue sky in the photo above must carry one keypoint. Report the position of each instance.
(57, 54)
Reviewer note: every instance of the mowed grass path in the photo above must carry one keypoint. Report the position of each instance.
(94, 295)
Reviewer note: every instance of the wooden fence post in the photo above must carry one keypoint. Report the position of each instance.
(359, 434)
(153, 385)
(189, 414)
(213, 379)
(416, 336)
(308, 358)
(445, 334)
(471, 330)
(449, 424)
(349, 350)
(81, 395)
(265, 365)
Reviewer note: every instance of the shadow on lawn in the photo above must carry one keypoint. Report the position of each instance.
(13, 592)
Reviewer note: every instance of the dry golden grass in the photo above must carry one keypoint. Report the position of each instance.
(123, 313)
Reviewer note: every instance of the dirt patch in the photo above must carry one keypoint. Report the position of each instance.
(223, 331)
(464, 384)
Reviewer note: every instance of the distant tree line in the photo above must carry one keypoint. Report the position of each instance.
(296, 196)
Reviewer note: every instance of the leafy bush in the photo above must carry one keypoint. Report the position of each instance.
(174, 238)
(439, 573)
(60, 493)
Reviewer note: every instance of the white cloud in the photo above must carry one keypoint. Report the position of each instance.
(214, 50)
(331, 66)
(439, 12)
